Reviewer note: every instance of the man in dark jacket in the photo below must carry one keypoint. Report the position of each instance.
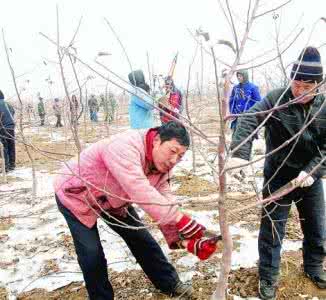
(7, 133)
(303, 158)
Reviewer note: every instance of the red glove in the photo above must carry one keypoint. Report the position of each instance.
(189, 228)
(203, 248)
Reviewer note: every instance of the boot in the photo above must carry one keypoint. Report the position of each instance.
(183, 290)
(319, 279)
(267, 290)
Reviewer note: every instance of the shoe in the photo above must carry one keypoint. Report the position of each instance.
(318, 279)
(183, 290)
(267, 290)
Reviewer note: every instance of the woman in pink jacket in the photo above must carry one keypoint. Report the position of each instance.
(130, 167)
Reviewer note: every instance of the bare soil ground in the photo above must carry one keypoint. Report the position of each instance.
(133, 285)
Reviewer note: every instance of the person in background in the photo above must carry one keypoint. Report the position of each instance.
(140, 104)
(30, 112)
(132, 167)
(93, 108)
(244, 95)
(41, 110)
(7, 133)
(73, 107)
(57, 111)
(171, 102)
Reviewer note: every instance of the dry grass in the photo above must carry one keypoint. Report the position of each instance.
(192, 185)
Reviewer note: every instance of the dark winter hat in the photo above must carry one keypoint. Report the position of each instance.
(136, 77)
(308, 67)
(1, 95)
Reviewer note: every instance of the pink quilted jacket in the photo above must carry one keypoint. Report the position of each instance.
(116, 168)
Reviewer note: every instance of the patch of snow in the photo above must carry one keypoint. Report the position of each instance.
(235, 297)
(35, 236)
(57, 137)
(187, 276)
(291, 245)
(188, 261)
(25, 180)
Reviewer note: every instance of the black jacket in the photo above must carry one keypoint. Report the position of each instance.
(310, 148)
(6, 118)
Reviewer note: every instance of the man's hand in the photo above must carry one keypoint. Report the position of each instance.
(204, 247)
(305, 179)
(238, 172)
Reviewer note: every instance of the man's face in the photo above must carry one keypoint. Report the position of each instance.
(240, 78)
(167, 154)
(299, 88)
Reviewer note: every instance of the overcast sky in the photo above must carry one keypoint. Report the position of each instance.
(156, 27)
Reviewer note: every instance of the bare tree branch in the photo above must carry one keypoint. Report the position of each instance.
(272, 10)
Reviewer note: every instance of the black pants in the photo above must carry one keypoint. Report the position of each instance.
(7, 138)
(310, 203)
(93, 263)
(58, 124)
(42, 118)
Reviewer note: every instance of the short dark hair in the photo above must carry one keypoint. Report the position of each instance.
(174, 130)
(1, 95)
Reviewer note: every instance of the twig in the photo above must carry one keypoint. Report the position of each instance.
(271, 10)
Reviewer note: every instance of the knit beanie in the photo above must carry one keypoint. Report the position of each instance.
(308, 67)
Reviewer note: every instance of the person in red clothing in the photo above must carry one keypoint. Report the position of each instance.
(171, 102)
(132, 167)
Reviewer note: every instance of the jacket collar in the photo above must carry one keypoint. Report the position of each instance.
(149, 140)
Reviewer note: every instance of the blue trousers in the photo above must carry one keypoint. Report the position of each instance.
(93, 263)
(310, 203)
(93, 115)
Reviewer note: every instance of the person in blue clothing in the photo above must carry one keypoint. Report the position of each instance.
(244, 95)
(7, 133)
(141, 104)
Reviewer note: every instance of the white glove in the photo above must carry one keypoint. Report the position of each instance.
(306, 180)
(239, 171)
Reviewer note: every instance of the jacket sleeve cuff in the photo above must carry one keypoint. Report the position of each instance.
(171, 235)
(315, 175)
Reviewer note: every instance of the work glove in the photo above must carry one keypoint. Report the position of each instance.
(239, 173)
(204, 247)
(305, 179)
(189, 229)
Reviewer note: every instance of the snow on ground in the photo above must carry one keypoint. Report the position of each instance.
(34, 238)
(38, 231)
